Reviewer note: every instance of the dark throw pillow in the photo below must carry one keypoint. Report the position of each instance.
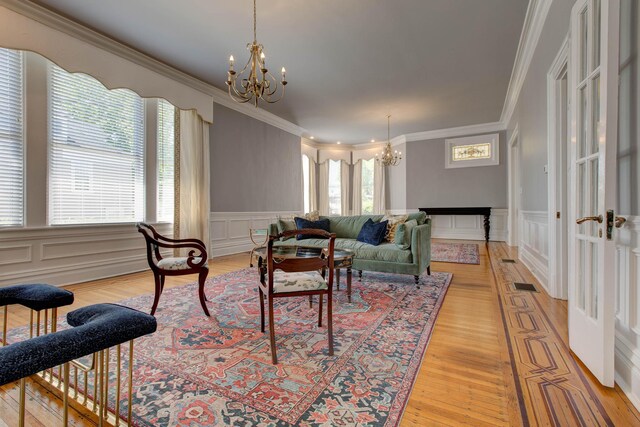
(301, 224)
(373, 232)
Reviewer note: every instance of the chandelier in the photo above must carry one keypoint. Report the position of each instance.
(256, 82)
(388, 157)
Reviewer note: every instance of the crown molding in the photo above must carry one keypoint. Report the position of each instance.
(457, 131)
(531, 31)
(72, 28)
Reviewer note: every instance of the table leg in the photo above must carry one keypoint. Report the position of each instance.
(338, 278)
(349, 283)
(487, 227)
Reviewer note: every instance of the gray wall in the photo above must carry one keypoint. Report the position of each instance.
(255, 167)
(531, 111)
(628, 142)
(430, 184)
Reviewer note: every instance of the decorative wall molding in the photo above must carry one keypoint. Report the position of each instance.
(229, 231)
(74, 254)
(627, 282)
(453, 132)
(533, 24)
(534, 244)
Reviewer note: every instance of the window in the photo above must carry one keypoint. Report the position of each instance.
(334, 187)
(367, 186)
(11, 138)
(305, 182)
(96, 151)
(166, 144)
(481, 150)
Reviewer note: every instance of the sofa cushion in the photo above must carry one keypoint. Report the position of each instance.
(393, 222)
(387, 252)
(301, 224)
(373, 232)
(349, 226)
(403, 234)
(286, 225)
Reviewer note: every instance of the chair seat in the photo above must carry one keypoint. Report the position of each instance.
(296, 282)
(177, 263)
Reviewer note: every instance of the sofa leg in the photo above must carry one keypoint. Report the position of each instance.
(360, 275)
(429, 270)
(417, 280)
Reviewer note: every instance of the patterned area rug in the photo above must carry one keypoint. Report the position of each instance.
(461, 253)
(199, 371)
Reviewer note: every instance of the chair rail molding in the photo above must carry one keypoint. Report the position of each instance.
(229, 231)
(72, 254)
(534, 244)
(627, 282)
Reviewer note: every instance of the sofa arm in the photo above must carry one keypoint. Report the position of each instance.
(421, 246)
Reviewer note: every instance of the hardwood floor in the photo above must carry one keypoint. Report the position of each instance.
(485, 365)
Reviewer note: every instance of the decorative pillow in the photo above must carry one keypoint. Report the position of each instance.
(312, 216)
(373, 232)
(394, 221)
(286, 225)
(301, 224)
(404, 232)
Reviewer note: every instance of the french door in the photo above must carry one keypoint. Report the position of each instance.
(594, 108)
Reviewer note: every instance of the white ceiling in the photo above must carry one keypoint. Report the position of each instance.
(431, 64)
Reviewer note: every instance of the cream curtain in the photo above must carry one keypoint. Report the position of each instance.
(192, 178)
(313, 186)
(344, 188)
(323, 188)
(357, 188)
(379, 192)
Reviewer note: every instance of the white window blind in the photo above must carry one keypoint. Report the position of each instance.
(96, 152)
(11, 138)
(166, 143)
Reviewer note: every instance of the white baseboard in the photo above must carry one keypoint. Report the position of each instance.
(627, 362)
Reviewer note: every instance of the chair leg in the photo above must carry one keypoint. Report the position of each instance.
(320, 298)
(330, 322)
(162, 283)
(310, 301)
(156, 298)
(202, 278)
(261, 309)
(272, 333)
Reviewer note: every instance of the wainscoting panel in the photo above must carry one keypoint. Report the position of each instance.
(65, 255)
(534, 244)
(627, 280)
(229, 231)
(470, 227)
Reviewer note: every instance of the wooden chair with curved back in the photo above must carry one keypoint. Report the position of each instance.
(295, 277)
(196, 261)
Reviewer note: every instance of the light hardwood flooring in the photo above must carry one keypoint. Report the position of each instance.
(478, 368)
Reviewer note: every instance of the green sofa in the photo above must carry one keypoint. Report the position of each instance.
(386, 257)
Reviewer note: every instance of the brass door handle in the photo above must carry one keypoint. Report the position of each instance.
(620, 220)
(590, 218)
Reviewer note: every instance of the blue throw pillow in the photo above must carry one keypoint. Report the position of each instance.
(373, 232)
(321, 224)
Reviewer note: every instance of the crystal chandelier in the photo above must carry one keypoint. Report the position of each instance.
(388, 157)
(256, 82)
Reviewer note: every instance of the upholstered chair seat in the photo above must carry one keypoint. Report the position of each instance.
(296, 282)
(178, 263)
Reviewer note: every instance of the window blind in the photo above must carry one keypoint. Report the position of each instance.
(166, 143)
(11, 138)
(96, 151)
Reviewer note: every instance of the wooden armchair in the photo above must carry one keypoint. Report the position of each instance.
(294, 277)
(196, 262)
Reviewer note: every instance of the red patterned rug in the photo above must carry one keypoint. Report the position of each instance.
(199, 371)
(461, 253)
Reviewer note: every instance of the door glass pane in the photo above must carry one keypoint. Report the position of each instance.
(595, 60)
(580, 284)
(595, 115)
(593, 297)
(581, 195)
(583, 44)
(593, 209)
(582, 125)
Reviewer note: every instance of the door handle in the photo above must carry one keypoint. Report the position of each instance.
(619, 222)
(590, 218)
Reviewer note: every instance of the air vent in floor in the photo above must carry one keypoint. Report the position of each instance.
(509, 260)
(524, 287)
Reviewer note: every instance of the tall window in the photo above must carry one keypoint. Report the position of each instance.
(334, 187)
(305, 182)
(11, 138)
(166, 144)
(367, 186)
(96, 151)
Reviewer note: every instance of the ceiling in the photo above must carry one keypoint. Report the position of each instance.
(431, 64)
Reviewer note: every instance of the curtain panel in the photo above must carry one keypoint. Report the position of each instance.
(344, 188)
(313, 186)
(323, 188)
(379, 191)
(357, 188)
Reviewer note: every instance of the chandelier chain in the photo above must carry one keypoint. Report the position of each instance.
(255, 36)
